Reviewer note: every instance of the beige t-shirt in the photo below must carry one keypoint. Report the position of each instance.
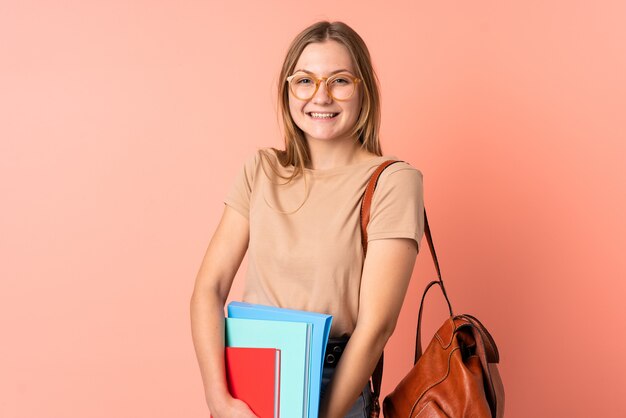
(312, 259)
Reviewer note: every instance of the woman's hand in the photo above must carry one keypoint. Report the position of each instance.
(234, 408)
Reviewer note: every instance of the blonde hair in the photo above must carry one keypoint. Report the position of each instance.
(366, 129)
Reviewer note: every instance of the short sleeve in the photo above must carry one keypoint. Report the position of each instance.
(238, 196)
(397, 209)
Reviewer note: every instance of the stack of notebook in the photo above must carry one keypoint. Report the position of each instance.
(274, 358)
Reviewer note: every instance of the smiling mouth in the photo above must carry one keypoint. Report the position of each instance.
(322, 115)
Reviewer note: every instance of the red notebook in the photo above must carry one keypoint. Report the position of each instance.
(253, 376)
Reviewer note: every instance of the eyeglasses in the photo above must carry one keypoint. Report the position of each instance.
(339, 86)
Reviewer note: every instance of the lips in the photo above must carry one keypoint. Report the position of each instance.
(322, 115)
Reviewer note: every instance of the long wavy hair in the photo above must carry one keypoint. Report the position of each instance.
(366, 129)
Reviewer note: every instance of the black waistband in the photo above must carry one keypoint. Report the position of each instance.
(334, 348)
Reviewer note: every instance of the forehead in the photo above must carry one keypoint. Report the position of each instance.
(325, 57)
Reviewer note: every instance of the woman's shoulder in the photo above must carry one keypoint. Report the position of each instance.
(264, 163)
(254, 159)
(258, 153)
(400, 169)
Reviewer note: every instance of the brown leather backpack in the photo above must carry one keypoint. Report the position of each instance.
(457, 376)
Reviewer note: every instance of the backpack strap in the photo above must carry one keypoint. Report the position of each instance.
(366, 203)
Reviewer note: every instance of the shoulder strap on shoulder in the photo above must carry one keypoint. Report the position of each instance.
(366, 204)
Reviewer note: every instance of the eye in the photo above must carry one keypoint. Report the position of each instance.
(341, 80)
(303, 80)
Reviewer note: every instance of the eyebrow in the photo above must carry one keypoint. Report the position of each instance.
(334, 72)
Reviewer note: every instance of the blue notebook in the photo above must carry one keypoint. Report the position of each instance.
(321, 331)
(293, 339)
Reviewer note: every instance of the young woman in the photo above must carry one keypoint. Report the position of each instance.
(296, 212)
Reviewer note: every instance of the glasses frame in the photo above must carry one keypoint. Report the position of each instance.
(318, 80)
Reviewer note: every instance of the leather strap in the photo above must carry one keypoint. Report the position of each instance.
(366, 203)
(418, 334)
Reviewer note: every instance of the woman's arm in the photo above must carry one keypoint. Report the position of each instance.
(213, 282)
(386, 274)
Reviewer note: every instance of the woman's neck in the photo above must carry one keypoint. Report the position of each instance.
(336, 153)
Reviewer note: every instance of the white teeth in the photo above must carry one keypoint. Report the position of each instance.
(322, 115)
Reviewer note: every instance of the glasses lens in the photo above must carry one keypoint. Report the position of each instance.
(302, 86)
(341, 86)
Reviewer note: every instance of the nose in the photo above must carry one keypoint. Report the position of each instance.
(321, 95)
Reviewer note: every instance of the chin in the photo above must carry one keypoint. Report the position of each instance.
(323, 136)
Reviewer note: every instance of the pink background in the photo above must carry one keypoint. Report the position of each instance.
(121, 127)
